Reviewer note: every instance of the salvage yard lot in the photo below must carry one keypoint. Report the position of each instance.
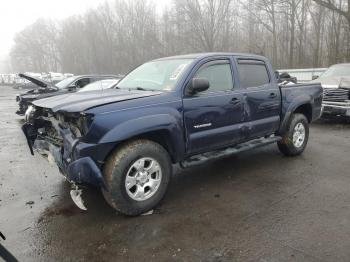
(258, 206)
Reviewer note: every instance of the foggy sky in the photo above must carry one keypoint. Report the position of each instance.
(17, 14)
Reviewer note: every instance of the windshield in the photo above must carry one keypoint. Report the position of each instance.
(337, 70)
(156, 75)
(100, 85)
(65, 83)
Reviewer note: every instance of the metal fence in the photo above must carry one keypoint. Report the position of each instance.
(303, 75)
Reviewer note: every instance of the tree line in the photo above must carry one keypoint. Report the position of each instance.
(121, 34)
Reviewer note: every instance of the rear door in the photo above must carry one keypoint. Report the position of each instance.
(262, 98)
(212, 118)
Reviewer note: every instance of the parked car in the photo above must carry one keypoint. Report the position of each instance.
(336, 90)
(46, 89)
(8, 79)
(185, 109)
(100, 85)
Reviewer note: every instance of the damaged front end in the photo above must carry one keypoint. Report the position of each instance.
(22, 105)
(58, 137)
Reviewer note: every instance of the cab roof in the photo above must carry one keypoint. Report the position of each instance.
(205, 55)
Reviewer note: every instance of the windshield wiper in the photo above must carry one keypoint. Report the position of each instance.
(141, 88)
(138, 88)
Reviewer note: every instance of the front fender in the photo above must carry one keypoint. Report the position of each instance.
(145, 124)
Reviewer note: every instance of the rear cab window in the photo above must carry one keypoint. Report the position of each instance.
(252, 73)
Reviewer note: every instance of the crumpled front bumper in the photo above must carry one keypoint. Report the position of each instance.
(72, 158)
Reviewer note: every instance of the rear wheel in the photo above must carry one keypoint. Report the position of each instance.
(295, 139)
(137, 176)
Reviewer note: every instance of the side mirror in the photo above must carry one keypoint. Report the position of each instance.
(198, 85)
(314, 77)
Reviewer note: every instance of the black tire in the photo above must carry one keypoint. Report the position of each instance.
(286, 145)
(117, 166)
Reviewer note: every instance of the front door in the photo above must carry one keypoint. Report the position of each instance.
(213, 118)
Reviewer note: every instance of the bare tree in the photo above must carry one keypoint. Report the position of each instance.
(317, 19)
(265, 13)
(332, 5)
(207, 21)
(120, 34)
(35, 47)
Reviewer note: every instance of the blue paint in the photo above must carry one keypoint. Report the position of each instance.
(191, 124)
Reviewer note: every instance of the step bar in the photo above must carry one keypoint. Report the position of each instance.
(202, 158)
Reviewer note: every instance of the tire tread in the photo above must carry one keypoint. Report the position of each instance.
(286, 145)
(113, 197)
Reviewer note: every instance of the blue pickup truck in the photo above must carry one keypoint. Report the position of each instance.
(176, 110)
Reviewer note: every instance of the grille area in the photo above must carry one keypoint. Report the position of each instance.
(335, 94)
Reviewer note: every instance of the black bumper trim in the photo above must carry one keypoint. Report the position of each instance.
(26, 128)
(329, 110)
(84, 170)
(81, 171)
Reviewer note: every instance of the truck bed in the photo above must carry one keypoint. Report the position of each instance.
(308, 94)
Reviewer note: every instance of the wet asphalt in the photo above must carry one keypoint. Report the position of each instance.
(257, 206)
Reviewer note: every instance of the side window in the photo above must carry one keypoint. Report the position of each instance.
(253, 75)
(219, 76)
(82, 82)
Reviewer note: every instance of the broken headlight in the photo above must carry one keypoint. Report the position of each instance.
(78, 123)
(84, 123)
(29, 113)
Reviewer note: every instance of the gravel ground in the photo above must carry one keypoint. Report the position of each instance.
(257, 206)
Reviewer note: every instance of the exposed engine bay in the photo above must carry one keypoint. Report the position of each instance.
(49, 125)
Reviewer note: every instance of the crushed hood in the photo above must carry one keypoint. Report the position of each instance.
(80, 101)
(334, 82)
(39, 82)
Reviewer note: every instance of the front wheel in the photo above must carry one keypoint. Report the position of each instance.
(295, 139)
(137, 176)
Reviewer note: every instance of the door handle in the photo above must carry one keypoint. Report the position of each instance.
(234, 101)
(272, 95)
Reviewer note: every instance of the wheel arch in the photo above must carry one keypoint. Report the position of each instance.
(306, 110)
(304, 107)
(161, 137)
(163, 129)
